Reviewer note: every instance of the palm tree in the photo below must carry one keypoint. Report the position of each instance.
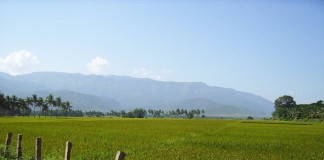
(50, 101)
(2, 104)
(14, 103)
(43, 105)
(29, 101)
(45, 108)
(22, 106)
(58, 103)
(40, 103)
(20, 103)
(8, 104)
(66, 106)
(34, 101)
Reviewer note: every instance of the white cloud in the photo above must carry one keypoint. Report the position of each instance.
(145, 73)
(156, 77)
(19, 62)
(166, 72)
(98, 65)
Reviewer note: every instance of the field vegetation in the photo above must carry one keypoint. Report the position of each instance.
(287, 109)
(101, 138)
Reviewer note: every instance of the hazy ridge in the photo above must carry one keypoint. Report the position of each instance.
(95, 92)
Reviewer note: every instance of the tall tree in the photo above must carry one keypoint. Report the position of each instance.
(50, 101)
(34, 100)
(40, 104)
(8, 104)
(29, 102)
(14, 101)
(198, 112)
(45, 108)
(3, 106)
(66, 106)
(282, 106)
(203, 113)
(58, 103)
(14, 104)
(22, 107)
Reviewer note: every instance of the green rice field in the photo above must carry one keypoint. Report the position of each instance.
(159, 139)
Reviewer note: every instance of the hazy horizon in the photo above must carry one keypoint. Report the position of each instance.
(268, 48)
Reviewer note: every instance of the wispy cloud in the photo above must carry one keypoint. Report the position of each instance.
(146, 73)
(166, 71)
(19, 62)
(142, 72)
(98, 65)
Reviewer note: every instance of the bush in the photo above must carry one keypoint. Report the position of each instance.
(250, 118)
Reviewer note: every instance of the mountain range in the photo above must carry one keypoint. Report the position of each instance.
(104, 93)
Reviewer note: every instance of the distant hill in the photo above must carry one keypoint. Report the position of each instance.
(88, 92)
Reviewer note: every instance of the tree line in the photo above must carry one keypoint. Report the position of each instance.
(141, 113)
(287, 109)
(11, 105)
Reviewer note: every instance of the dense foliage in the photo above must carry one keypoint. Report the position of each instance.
(39, 106)
(141, 113)
(14, 106)
(287, 109)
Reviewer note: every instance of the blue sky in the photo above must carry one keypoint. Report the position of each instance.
(268, 48)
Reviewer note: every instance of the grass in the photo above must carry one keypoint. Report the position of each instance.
(101, 138)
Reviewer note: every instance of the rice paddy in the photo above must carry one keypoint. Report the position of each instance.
(145, 139)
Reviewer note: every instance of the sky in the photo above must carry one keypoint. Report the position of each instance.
(268, 48)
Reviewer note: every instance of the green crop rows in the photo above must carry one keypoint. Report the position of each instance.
(144, 139)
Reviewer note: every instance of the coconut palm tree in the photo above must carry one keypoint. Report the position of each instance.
(34, 101)
(29, 102)
(58, 103)
(50, 101)
(14, 104)
(40, 103)
(8, 104)
(45, 108)
(43, 105)
(20, 103)
(66, 106)
(22, 107)
(14, 101)
(2, 104)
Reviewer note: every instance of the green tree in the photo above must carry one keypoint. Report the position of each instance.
(34, 101)
(198, 112)
(123, 113)
(3, 106)
(40, 104)
(7, 104)
(45, 108)
(66, 106)
(29, 102)
(14, 102)
(58, 103)
(178, 112)
(23, 108)
(20, 104)
(190, 114)
(50, 101)
(283, 105)
(139, 113)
